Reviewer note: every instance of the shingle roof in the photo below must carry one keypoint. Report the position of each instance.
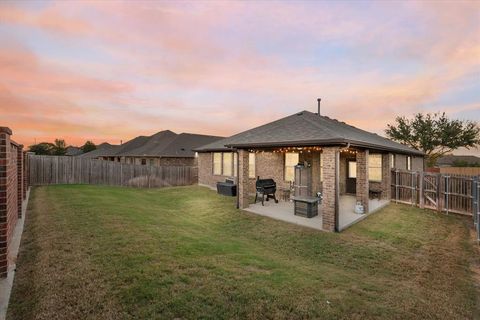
(162, 144)
(451, 159)
(147, 146)
(306, 128)
(102, 150)
(73, 151)
(184, 144)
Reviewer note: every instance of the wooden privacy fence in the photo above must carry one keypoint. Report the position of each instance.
(45, 170)
(468, 171)
(442, 192)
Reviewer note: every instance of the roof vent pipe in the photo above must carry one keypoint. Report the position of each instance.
(318, 100)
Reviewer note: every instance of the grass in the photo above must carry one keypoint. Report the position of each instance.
(92, 252)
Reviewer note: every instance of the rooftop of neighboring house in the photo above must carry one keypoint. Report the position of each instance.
(306, 128)
(102, 149)
(73, 151)
(165, 143)
(453, 160)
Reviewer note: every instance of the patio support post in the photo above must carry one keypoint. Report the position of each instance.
(330, 188)
(362, 178)
(386, 176)
(243, 179)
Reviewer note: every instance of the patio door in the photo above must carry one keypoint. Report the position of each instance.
(351, 183)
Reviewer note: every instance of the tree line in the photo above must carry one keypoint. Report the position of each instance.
(58, 148)
(434, 134)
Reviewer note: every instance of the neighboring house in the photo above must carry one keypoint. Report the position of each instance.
(163, 148)
(343, 159)
(454, 161)
(73, 151)
(100, 151)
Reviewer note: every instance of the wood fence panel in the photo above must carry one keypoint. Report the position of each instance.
(442, 192)
(45, 170)
(464, 171)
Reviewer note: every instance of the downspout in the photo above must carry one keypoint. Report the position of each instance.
(238, 180)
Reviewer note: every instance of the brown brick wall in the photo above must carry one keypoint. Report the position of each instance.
(25, 174)
(243, 180)
(343, 173)
(362, 178)
(10, 199)
(400, 161)
(19, 179)
(417, 163)
(205, 171)
(161, 161)
(385, 185)
(329, 187)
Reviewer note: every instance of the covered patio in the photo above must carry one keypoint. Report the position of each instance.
(283, 211)
(339, 174)
(304, 157)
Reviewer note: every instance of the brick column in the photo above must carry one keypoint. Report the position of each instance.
(330, 188)
(386, 176)
(25, 174)
(362, 178)
(243, 179)
(19, 179)
(4, 196)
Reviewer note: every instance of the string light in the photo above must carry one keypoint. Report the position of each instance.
(300, 150)
(287, 149)
(348, 151)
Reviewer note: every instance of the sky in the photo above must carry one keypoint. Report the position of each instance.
(110, 71)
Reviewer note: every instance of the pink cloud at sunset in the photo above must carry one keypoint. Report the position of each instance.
(109, 71)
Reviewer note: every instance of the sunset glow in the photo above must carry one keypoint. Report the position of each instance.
(110, 71)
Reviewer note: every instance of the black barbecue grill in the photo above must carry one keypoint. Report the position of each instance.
(266, 188)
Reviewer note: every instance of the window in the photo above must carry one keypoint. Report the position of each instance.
(409, 163)
(227, 163)
(352, 169)
(375, 167)
(152, 161)
(321, 168)
(144, 162)
(217, 163)
(251, 165)
(392, 161)
(291, 160)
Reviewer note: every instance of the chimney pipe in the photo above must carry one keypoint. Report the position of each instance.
(318, 100)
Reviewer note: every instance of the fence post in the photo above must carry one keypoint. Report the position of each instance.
(474, 200)
(420, 197)
(437, 194)
(396, 186)
(446, 192)
(121, 173)
(478, 210)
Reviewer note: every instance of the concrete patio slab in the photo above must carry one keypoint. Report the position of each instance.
(283, 210)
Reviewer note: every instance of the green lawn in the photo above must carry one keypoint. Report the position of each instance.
(91, 252)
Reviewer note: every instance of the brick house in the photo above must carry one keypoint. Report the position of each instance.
(346, 164)
(165, 148)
